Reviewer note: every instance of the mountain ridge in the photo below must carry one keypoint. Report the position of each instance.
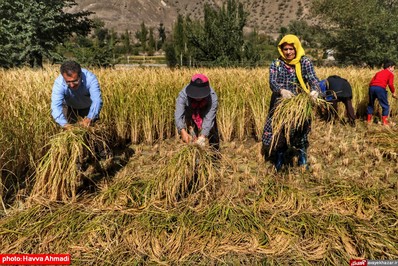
(267, 16)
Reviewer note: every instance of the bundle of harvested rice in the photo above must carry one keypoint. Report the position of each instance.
(292, 114)
(58, 174)
(192, 170)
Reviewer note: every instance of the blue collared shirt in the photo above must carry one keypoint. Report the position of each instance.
(88, 95)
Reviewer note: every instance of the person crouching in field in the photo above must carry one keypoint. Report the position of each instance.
(195, 113)
(378, 90)
(288, 78)
(76, 93)
(337, 89)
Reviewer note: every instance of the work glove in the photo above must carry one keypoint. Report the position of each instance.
(286, 94)
(314, 94)
(201, 141)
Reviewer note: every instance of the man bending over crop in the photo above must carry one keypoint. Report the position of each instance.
(76, 93)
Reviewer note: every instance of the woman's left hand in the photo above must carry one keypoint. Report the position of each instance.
(314, 94)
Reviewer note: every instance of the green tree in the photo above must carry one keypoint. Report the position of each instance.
(101, 34)
(126, 47)
(161, 35)
(179, 39)
(170, 53)
(252, 48)
(310, 36)
(360, 31)
(220, 37)
(151, 42)
(100, 49)
(113, 43)
(142, 36)
(30, 30)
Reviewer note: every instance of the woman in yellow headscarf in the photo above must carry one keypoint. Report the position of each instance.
(292, 73)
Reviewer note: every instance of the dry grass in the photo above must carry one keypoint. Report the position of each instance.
(339, 210)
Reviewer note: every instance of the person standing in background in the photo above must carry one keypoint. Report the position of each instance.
(378, 90)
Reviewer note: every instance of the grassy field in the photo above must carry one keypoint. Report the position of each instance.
(156, 201)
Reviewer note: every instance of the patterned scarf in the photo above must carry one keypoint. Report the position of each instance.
(196, 106)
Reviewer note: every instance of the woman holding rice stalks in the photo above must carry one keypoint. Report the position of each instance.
(289, 118)
(195, 113)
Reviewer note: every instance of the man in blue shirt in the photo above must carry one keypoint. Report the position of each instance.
(76, 93)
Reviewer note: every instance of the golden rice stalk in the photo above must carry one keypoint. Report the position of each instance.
(258, 103)
(57, 173)
(227, 116)
(290, 114)
(191, 171)
(384, 138)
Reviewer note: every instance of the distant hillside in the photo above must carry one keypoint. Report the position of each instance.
(267, 15)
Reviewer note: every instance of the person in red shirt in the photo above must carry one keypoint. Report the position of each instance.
(378, 90)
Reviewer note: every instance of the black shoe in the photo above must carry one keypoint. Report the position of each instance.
(280, 160)
(302, 158)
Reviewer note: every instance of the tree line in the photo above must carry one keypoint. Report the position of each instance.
(360, 32)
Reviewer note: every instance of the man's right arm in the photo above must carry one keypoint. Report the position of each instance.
(57, 99)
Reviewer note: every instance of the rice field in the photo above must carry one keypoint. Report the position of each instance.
(172, 204)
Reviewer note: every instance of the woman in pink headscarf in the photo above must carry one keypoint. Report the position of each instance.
(195, 113)
(292, 73)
